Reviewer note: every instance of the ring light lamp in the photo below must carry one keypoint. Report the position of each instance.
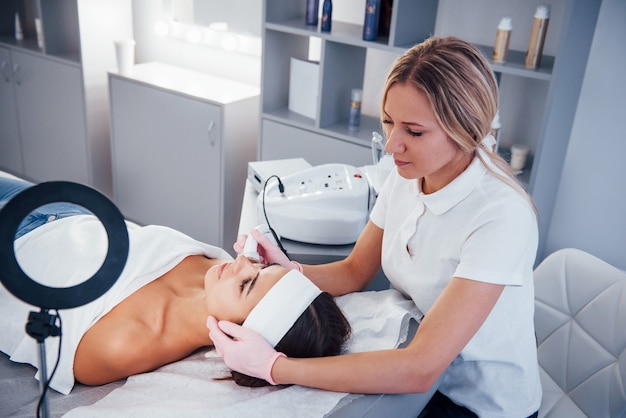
(26, 289)
(42, 325)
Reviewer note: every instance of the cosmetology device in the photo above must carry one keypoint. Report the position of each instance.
(260, 171)
(250, 248)
(327, 204)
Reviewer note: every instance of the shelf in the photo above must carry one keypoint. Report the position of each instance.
(412, 21)
(284, 115)
(361, 136)
(338, 130)
(515, 64)
(342, 32)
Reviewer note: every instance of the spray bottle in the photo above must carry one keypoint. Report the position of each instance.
(355, 110)
(537, 37)
(327, 16)
(503, 37)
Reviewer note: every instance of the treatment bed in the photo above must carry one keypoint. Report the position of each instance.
(380, 319)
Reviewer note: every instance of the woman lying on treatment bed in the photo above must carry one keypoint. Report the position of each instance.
(156, 311)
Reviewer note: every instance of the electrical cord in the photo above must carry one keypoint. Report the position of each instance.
(56, 365)
(281, 189)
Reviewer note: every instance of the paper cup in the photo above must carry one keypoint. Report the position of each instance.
(125, 53)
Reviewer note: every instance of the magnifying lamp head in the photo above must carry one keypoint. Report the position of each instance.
(25, 288)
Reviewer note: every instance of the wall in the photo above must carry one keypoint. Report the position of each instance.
(590, 209)
(153, 47)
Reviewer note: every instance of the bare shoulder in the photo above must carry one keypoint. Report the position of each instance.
(148, 329)
(112, 350)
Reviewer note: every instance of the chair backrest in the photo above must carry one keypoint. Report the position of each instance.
(580, 321)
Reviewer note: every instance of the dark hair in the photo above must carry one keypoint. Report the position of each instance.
(321, 330)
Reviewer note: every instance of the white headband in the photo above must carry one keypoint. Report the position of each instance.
(283, 304)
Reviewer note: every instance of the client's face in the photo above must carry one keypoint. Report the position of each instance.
(234, 288)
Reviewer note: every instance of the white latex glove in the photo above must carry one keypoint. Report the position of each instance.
(246, 352)
(270, 253)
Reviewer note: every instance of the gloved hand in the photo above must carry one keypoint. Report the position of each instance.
(246, 352)
(270, 253)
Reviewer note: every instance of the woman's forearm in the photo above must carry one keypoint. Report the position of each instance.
(388, 371)
(447, 327)
(356, 271)
(334, 278)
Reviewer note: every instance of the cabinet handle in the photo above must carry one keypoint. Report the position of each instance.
(3, 70)
(210, 133)
(16, 74)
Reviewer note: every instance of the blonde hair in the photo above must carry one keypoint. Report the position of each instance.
(463, 93)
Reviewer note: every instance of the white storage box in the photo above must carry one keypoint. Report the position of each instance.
(303, 87)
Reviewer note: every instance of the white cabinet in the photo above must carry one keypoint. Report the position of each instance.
(44, 122)
(10, 147)
(51, 117)
(181, 142)
(54, 102)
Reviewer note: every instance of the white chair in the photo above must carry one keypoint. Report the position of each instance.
(580, 321)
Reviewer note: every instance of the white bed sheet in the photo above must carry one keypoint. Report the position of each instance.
(380, 320)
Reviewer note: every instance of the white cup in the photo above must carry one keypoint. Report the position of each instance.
(519, 154)
(125, 53)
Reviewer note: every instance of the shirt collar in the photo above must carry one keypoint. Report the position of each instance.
(458, 189)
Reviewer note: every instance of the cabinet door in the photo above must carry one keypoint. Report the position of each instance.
(283, 141)
(10, 149)
(51, 111)
(166, 159)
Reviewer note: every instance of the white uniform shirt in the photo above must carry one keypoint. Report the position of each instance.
(478, 228)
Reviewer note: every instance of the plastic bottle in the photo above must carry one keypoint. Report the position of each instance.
(537, 37)
(327, 15)
(39, 30)
(384, 19)
(370, 25)
(496, 130)
(19, 35)
(312, 12)
(503, 37)
(355, 110)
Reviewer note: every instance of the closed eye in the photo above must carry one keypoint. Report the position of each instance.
(413, 133)
(252, 281)
(243, 284)
(408, 130)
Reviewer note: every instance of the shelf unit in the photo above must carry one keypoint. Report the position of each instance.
(59, 89)
(285, 134)
(59, 21)
(342, 68)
